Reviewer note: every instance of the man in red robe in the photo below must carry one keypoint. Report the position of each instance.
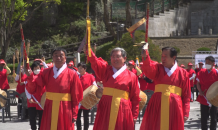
(131, 66)
(169, 106)
(206, 77)
(4, 71)
(191, 74)
(63, 93)
(196, 71)
(118, 108)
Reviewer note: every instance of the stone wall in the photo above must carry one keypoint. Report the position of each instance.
(186, 46)
(169, 23)
(205, 20)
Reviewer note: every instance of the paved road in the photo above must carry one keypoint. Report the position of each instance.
(16, 124)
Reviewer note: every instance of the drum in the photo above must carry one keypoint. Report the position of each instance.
(212, 95)
(2, 101)
(89, 97)
(143, 100)
(43, 98)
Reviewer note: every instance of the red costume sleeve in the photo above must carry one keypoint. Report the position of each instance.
(76, 94)
(35, 83)
(98, 65)
(149, 67)
(134, 96)
(186, 95)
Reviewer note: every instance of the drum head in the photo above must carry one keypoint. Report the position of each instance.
(212, 91)
(2, 101)
(143, 100)
(43, 98)
(90, 88)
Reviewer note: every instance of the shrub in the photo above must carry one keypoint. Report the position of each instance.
(177, 49)
(203, 49)
(11, 79)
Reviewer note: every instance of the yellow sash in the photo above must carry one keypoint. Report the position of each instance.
(165, 102)
(56, 98)
(116, 94)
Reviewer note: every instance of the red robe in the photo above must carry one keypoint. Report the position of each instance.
(3, 79)
(37, 97)
(21, 88)
(196, 71)
(179, 106)
(145, 85)
(190, 74)
(134, 71)
(128, 109)
(86, 81)
(206, 80)
(67, 82)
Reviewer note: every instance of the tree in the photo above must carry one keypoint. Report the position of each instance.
(128, 14)
(14, 12)
(126, 42)
(107, 20)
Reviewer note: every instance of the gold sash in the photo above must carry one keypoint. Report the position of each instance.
(116, 94)
(165, 102)
(56, 98)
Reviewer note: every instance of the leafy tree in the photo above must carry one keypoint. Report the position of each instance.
(14, 12)
(126, 42)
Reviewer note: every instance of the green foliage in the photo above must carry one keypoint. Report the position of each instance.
(177, 49)
(203, 49)
(127, 43)
(10, 79)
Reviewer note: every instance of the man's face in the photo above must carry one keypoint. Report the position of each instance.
(131, 66)
(167, 61)
(59, 58)
(1, 67)
(200, 66)
(117, 61)
(209, 63)
(189, 67)
(81, 70)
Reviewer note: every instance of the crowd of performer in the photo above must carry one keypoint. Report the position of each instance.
(120, 84)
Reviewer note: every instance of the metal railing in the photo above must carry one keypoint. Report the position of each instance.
(138, 8)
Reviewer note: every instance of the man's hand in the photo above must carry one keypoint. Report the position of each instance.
(185, 119)
(99, 92)
(31, 101)
(201, 93)
(73, 120)
(5, 65)
(134, 120)
(22, 83)
(43, 59)
(27, 72)
(144, 53)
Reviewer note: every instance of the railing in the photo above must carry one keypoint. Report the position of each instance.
(70, 48)
(138, 8)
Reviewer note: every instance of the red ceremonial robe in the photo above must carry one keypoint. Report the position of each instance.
(134, 71)
(206, 79)
(196, 71)
(178, 106)
(128, 108)
(66, 82)
(190, 74)
(37, 96)
(3, 79)
(86, 81)
(21, 88)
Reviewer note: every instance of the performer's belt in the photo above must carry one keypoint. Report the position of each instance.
(56, 98)
(116, 94)
(165, 104)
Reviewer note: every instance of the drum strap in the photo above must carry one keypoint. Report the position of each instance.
(116, 94)
(166, 90)
(56, 98)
